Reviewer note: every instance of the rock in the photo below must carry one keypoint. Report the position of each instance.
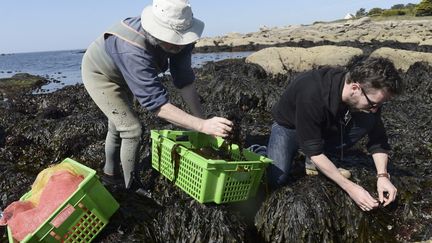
(359, 22)
(280, 60)
(20, 83)
(365, 30)
(402, 59)
(2, 136)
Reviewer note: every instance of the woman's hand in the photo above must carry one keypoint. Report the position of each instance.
(216, 126)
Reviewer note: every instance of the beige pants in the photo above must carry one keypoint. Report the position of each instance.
(111, 94)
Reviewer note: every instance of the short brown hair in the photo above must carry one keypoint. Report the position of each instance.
(375, 72)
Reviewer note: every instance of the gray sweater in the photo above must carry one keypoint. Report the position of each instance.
(140, 67)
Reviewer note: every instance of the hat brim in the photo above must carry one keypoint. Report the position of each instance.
(169, 35)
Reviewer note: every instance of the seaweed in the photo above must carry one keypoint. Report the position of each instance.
(39, 130)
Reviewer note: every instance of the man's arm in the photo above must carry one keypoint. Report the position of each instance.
(216, 126)
(383, 183)
(360, 196)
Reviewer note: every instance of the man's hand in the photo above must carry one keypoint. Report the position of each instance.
(362, 197)
(384, 185)
(217, 126)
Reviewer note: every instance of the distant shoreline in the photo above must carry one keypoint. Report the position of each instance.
(206, 44)
(409, 33)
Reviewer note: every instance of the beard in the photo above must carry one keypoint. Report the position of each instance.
(353, 107)
(360, 110)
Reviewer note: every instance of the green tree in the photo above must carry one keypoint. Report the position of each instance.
(393, 12)
(375, 11)
(410, 5)
(424, 8)
(411, 8)
(398, 6)
(361, 12)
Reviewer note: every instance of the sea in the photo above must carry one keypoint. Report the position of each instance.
(64, 67)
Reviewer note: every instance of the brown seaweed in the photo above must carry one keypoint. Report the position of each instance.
(39, 130)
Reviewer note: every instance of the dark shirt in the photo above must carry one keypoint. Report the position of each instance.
(312, 104)
(140, 67)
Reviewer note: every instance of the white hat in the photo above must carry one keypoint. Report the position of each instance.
(172, 21)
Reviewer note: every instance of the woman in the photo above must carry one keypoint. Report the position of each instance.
(125, 63)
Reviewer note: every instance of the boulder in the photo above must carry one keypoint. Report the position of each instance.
(403, 59)
(365, 31)
(280, 60)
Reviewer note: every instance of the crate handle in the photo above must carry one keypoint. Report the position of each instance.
(241, 168)
(63, 215)
(56, 236)
(175, 160)
(67, 211)
(182, 138)
(159, 151)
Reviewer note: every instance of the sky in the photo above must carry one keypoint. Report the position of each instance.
(48, 25)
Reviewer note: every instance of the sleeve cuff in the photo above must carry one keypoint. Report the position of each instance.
(313, 147)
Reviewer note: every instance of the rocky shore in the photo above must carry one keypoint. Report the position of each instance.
(362, 33)
(39, 130)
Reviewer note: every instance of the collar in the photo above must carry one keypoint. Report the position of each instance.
(332, 90)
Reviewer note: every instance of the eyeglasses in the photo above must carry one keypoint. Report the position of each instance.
(371, 104)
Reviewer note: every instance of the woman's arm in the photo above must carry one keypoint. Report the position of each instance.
(216, 126)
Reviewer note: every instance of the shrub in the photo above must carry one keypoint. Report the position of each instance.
(424, 8)
(361, 13)
(398, 6)
(394, 12)
(375, 12)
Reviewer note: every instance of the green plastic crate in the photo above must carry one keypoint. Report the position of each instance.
(206, 180)
(81, 217)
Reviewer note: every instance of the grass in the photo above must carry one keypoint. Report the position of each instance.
(380, 18)
(401, 17)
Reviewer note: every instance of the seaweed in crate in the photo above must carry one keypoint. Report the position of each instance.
(234, 136)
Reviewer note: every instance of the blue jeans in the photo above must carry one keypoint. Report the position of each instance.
(283, 145)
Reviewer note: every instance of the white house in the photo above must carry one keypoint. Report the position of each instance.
(349, 16)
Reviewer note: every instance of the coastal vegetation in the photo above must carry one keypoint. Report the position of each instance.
(424, 8)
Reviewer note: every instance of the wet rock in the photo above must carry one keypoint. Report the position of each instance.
(20, 83)
(194, 222)
(2, 136)
(53, 113)
(134, 221)
(39, 130)
(306, 210)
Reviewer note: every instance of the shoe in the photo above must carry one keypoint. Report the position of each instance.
(310, 167)
(344, 172)
(137, 187)
(311, 170)
(259, 149)
(143, 192)
(111, 180)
